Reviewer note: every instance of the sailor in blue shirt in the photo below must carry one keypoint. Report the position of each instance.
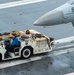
(14, 43)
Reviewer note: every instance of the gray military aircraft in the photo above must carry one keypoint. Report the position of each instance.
(60, 15)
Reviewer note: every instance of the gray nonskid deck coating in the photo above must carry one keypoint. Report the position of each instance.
(60, 65)
(22, 17)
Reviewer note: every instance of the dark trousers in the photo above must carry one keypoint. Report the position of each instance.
(10, 48)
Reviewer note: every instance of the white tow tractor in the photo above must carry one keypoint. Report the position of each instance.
(31, 42)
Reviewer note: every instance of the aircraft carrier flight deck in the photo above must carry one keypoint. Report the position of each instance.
(20, 15)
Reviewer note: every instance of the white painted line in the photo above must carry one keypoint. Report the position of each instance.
(20, 61)
(70, 73)
(18, 3)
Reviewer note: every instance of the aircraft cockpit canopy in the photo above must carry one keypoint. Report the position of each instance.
(71, 2)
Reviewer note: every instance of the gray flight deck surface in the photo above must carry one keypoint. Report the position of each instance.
(22, 17)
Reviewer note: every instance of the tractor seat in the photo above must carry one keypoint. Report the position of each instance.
(16, 49)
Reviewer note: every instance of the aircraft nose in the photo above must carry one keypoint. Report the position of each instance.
(51, 18)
